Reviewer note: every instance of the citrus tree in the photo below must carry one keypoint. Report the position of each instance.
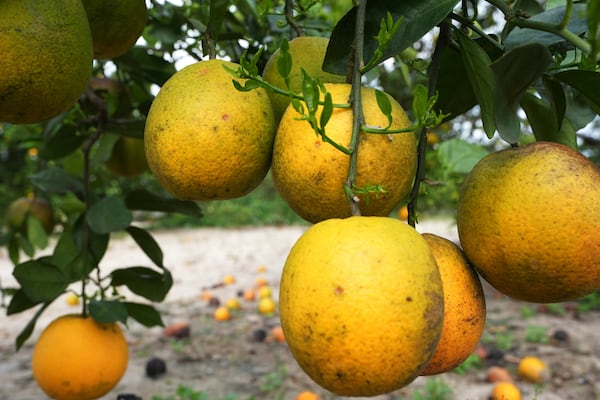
(448, 82)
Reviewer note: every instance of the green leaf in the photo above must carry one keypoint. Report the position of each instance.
(418, 18)
(28, 330)
(141, 199)
(14, 250)
(144, 314)
(40, 280)
(26, 245)
(36, 233)
(459, 156)
(384, 104)
(217, 12)
(455, 94)
(520, 36)
(327, 110)
(310, 91)
(143, 281)
(477, 65)
(586, 82)
(147, 243)
(284, 60)
(62, 141)
(109, 215)
(56, 180)
(543, 122)
(20, 302)
(107, 311)
(145, 66)
(557, 97)
(104, 147)
(513, 75)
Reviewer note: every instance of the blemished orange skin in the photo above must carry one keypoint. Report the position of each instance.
(361, 304)
(310, 173)
(464, 306)
(205, 139)
(77, 358)
(529, 222)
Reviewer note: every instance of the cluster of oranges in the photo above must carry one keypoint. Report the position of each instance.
(530, 369)
(368, 304)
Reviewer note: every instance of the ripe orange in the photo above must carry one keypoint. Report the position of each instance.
(47, 56)
(403, 213)
(511, 232)
(206, 295)
(464, 306)
(310, 174)
(77, 358)
(222, 314)
(266, 306)
(206, 140)
(233, 304)
(307, 395)
(533, 370)
(277, 334)
(249, 295)
(505, 391)
(361, 304)
(72, 299)
(308, 53)
(261, 281)
(228, 279)
(264, 291)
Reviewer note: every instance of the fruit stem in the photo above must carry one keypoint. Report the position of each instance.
(433, 72)
(356, 101)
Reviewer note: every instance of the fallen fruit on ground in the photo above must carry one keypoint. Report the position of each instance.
(222, 314)
(512, 233)
(532, 369)
(496, 374)
(128, 157)
(206, 140)
(505, 391)
(264, 291)
(249, 295)
(37, 207)
(308, 53)
(233, 304)
(464, 306)
(277, 334)
(266, 306)
(307, 395)
(115, 24)
(228, 279)
(310, 173)
(361, 304)
(46, 63)
(76, 357)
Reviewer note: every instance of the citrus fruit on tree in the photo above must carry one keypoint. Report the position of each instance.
(308, 53)
(77, 358)
(46, 48)
(464, 306)
(361, 304)
(37, 207)
(310, 173)
(529, 222)
(115, 24)
(128, 157)
(206, 140)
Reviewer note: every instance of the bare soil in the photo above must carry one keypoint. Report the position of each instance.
(229, 358)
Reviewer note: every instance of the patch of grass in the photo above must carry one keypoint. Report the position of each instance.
(471, 363)
(434, 389)
(536, 334)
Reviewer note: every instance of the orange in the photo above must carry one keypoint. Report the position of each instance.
(128, 157)
(464, 306)
(403, 213)
(512, 233)
(72, 299)
(205, 295)
(533, 370)
(310, 174)
(233, 304)
(228, 279)
(266, 306)
(505, 391)
(47, 56)
(23, 207)
(77, 358)
(264, 291)
(277, 334)
(249, 295)
(308, 53)
(361, 304)
(222, 314)
(115, 24)
(206, 140)
(261, 281)
(307, 395)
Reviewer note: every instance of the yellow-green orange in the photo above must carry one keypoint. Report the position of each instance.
(46, 50)
(77, 358)
(361, 304)
(529, 222)
(464, 306)
(128, 157)
(206, 140)
(308, 53)
(115, 24)
(39, 208)
(310, 174)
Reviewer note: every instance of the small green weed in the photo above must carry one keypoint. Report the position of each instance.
(536, 334)
(472, 362)
(434, 389)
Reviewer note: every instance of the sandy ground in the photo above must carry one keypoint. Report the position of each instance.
(222, 358)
